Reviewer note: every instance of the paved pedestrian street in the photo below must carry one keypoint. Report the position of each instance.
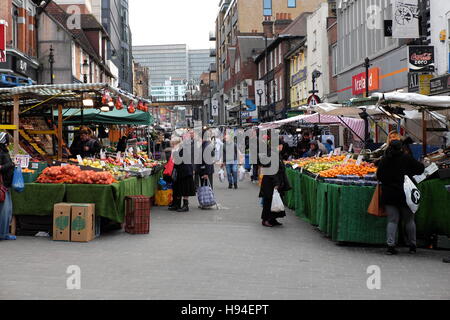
(217, 254)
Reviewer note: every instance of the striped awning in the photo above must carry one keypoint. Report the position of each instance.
(70, 95)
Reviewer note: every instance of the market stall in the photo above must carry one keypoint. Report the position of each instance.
(335, 196)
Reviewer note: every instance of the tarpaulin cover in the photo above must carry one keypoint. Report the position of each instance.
(95, 116)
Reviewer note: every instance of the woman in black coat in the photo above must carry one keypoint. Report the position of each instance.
(183, 179)
(391, 173)
(269, 183)
(6, 172)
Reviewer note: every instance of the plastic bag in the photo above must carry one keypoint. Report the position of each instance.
(163, 198)
(18, 183)
(412, 194)
(277, 203)
(241, 173)
(221, 175)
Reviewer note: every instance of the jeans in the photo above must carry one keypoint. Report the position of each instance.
(5, 216)
(394, 213)
(232, 173)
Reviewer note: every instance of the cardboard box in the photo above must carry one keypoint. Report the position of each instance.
(61, 221)
(83, 223)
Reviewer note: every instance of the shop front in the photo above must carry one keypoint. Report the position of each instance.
(18, 70)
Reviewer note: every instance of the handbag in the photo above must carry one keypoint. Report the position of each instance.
(375, 207)
(168, 168)
(205, 196)
(3, 190)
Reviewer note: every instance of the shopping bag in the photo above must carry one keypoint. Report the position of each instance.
(221, 175)
(277, 202)
(375, 207)
(163, 198)
(241, 173)
(205, 196)
(18, 184)
(168, 168)
(412, 194)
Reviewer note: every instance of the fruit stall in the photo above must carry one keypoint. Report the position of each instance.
(334, 193)
(51, 177)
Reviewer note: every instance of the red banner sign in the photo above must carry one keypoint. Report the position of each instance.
(2, 42)
(359, 81)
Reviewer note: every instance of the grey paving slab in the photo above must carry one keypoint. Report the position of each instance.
(217, 254)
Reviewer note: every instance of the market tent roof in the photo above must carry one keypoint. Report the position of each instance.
(414, 99)
(356, 125)
(340, 110)
(95, 116)
(69, 95)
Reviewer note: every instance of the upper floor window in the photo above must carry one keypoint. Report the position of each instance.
(14, 28)
(267, 7)
(292, 3)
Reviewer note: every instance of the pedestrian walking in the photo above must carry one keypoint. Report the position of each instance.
(278, 181)
(182, 177)
(392, 169)
(6, 175)
(230, 160)
(205, 170)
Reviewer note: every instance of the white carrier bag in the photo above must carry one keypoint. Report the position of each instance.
(412, 194)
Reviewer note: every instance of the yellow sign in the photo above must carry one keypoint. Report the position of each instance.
(443, 35)
(424, 84)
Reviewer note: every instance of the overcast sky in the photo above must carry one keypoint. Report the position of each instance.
(173, 22)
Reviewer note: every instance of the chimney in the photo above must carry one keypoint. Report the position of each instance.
(282, 22)
(268, 27)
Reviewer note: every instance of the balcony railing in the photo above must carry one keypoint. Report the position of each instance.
(212, 52)
(212, 36)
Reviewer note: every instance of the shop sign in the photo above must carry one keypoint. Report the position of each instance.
(421, 58)
(405, 15)
(21, 66)
(413, 82)
(215, 108)
(440, 85)
(419, 83)
(2, 41)
(299, 77)
(359, 81)
(260, 93)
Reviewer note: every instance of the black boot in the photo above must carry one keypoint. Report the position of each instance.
(412, 249)
(230, 186)
(185, 207)
(446, 260)
(175, 205)
(235, 186)
(391, 250)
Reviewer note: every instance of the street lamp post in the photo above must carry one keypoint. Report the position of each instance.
(51, 61)
(85, 78)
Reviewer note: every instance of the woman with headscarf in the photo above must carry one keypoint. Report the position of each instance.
(6, 174)
(270, 183)
(183, 176)
(391, 173)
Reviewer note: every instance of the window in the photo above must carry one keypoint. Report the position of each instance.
(267, 8)
(334, 54)
(292, 3)
(15, 34)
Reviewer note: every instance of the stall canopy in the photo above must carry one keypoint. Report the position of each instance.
(94, 116)
(414, 99)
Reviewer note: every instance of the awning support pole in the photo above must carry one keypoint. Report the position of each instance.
(424, 133)
(16, 123)
(60, 132)
(345, 124)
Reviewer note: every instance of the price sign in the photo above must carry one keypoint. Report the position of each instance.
(295, 166)
(301, 170)
(431, 169)
(360, 160)
(64, 164)
(23, 161)
(103, 164)
(80, 160)
(330, 154)
(347, 158)
(35, 165)
(337, 151)
(102, 155)
(350, 149)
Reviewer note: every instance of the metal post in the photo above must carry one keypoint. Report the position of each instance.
(16, 123)
(51, 61)
(367, 66)
(60, 133)
(424, 134)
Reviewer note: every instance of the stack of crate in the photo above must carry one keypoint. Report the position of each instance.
(137, 214)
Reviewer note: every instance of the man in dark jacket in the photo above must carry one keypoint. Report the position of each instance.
(392, 169)
(85, 145)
